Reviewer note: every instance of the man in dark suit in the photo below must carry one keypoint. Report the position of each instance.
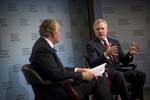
(49, 66)
(104, 49)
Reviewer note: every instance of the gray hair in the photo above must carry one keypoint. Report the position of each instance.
(99, 21)
(47, 27)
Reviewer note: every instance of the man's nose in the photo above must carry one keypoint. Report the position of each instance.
(100, 30)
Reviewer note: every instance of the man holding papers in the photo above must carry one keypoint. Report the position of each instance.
(99, 70)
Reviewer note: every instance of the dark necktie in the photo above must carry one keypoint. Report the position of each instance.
(106, 45)
(54, 50)
(112, 57)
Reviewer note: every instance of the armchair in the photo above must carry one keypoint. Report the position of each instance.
(121, 68)
(33, 78)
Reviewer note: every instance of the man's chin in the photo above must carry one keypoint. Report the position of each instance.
(56, 42)
(101, 37)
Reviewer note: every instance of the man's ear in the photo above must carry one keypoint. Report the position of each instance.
(53, 34)
(48, 30)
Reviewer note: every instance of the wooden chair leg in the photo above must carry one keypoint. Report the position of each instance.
(70, 90)
(116, 97)
(36, 94)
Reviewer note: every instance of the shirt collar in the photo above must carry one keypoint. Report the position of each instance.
(49, 42)
(105, 40)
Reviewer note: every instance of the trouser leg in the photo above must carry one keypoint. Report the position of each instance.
(119, 83)
(137, 80)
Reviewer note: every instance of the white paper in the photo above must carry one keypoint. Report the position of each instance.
(99, 70)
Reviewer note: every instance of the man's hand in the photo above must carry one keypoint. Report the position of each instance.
(111, 50)
(86, 73)
(134, 49)
(82, 69)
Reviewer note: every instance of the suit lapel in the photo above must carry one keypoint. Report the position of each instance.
(53, 51)
(55, 56)
(110, 41)
(58, 60)
(99, 46)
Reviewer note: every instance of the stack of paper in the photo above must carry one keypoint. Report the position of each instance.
(99, 70)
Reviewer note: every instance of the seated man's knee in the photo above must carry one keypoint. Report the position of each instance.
(117, 75)
(140, 76)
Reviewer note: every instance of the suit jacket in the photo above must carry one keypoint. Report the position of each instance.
(96, 51)
(47, 63)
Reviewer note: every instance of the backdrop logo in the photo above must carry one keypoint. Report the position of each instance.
(3, 22)
(12, 7)
(15, 37)
(4, 54)
(24, 22)
(123, 21)
(138, 32)
(61, 48)
(21, 96)
(7, 85)
(33, 8)
(136, 8)
(26, 51)
(17, 67)
(35, 36)
(51, 9)
(108, 10)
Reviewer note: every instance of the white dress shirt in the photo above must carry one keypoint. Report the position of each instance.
(49, 42)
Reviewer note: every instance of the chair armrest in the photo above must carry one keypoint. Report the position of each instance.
(67, 83)
(32, 77)
(48, 82)
(127, 67)
(70, 90)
